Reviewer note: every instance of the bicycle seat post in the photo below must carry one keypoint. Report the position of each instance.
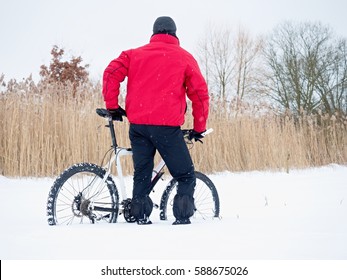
(113, 135)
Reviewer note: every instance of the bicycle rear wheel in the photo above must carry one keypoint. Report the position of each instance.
(80, 195)
(206, 199)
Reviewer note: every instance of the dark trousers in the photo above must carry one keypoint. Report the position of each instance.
(169, 142)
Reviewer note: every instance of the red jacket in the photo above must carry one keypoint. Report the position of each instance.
(160, 76)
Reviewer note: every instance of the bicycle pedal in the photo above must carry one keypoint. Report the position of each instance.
(156, 206)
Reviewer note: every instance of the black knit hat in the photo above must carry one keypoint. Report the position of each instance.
(164, 25)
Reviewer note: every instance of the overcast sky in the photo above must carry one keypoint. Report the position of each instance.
(99, 30)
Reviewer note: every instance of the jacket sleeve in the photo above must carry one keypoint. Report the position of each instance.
(114, 74)
(197, 92)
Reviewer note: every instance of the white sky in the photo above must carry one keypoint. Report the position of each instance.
(99, 30)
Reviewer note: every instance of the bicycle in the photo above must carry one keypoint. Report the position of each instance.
(86, 192)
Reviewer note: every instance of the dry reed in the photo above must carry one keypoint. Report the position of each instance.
(44, 130)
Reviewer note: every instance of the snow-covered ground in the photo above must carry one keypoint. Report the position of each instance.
(265, 216)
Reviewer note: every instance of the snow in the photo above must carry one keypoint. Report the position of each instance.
(300, 215)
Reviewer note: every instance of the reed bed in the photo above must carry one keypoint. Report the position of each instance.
(44, 130)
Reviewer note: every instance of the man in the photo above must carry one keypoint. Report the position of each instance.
(160, 76)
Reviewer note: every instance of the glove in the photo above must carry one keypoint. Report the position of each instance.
(117, 114)
(197, 136)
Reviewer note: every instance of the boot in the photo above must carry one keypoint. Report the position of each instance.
(141, 209)
(183, 209)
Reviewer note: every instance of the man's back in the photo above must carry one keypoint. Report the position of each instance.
(156, 91)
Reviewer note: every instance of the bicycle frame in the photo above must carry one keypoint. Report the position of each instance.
(116, 158)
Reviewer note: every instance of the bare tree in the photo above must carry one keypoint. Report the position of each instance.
(332, 80)
(247, 50)
(306, 68)
(215, 55)
(228, 61)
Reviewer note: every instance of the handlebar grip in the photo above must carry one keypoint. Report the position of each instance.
(208, 131)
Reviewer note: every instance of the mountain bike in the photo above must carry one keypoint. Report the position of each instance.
(87, 193)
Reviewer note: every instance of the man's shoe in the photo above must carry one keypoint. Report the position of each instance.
(181, 222)
(144, 221)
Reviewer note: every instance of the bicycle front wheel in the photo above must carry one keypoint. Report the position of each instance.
(81, 195)
(206, 199)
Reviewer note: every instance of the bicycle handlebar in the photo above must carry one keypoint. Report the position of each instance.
(187, 131)
(106, 114)
(208, 131)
